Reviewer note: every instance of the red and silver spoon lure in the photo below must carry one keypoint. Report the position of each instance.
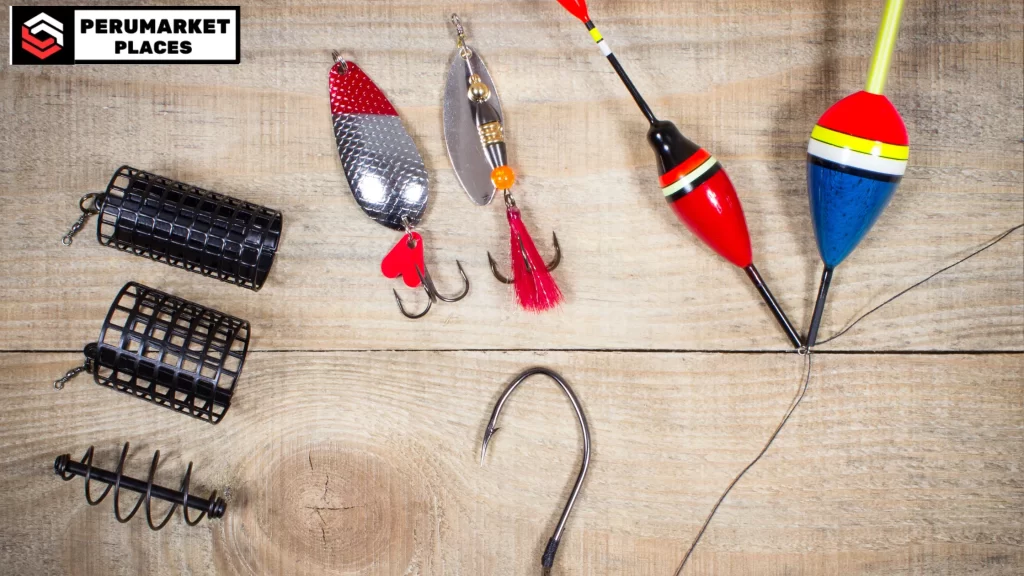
(694, 184)
(475, 138)
(385, 173)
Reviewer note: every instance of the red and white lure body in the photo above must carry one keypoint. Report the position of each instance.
(385, 173)
(475, 139)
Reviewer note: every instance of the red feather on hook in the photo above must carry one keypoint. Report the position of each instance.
(577, 8)
(534, 285)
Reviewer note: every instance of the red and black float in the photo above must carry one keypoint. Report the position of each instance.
(694, 184)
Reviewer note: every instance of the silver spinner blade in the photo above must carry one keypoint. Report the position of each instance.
(460, 133)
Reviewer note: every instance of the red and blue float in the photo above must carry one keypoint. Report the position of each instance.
(856, 157)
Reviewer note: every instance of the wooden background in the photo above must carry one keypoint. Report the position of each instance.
(352, 444)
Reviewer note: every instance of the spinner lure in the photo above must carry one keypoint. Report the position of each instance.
(385, 173)
(694, 183)
(856, 157)
(475, 138)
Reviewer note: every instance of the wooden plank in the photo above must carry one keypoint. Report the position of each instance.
(747, 79)
(367, 463)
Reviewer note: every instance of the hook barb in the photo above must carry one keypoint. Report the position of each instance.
(494, 270)
(492, 426)
(487, 440)
(558, 253)
(430, 298)
(412, 315)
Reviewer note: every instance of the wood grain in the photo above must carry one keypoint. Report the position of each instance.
(351, 447)
(367, 463)
(746, 79)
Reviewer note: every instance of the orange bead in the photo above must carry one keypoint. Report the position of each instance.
(503, 177)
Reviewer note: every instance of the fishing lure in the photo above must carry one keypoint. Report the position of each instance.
(856, 157)
(475, 138)
(386, 175)
(694, 183)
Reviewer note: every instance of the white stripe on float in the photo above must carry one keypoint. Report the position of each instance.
(688, 179)
(854, 159)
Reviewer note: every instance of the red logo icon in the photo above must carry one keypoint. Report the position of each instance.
(33, 44)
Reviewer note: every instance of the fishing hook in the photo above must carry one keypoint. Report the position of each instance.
(433, 295)
(510, 202)
(548, 559)
(555, 261)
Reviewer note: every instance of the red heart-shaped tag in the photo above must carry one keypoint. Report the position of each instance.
(404, 259)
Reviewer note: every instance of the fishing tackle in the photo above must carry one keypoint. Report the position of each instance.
(694, 183)
(386, 175)
(169, 351)
(474, 136)
(856, 157)
(211, 507)
(548, 559)
(184, 226)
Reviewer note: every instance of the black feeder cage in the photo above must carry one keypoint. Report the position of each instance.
(187, 227)
(168, 351)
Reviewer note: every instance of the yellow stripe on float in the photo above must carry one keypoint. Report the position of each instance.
(688, 179)
(863, 145)
(596, 35)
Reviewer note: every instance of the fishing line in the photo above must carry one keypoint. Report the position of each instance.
(789, 412)
(806, 381)
(901, 293)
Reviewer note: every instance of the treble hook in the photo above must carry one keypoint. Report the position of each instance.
(555, 260)
(510, 203)
(548, 559)
(433, 295)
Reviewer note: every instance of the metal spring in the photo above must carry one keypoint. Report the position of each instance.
(67, 469)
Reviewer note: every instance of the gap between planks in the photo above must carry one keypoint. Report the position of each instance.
(857, 352)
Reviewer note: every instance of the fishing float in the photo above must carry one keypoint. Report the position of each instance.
(856, 157)
(694, 183)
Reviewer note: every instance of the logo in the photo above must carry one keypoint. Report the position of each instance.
(42, 35)
(42, 48)
(125, 35)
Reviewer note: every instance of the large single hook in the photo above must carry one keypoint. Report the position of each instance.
(548, 559)
(433, 295)
(555, 260)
